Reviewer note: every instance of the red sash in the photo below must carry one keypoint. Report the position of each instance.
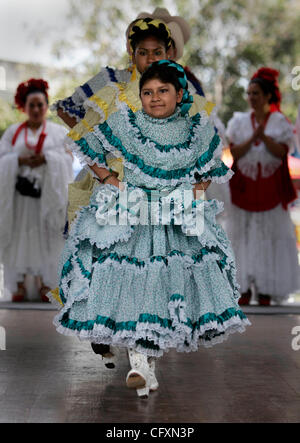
(39, 146)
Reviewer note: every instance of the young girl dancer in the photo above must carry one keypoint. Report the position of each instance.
(151, 284)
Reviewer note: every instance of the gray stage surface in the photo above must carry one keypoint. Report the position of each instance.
(46, 377)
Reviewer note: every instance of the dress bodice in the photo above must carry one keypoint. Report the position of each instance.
(157, 153)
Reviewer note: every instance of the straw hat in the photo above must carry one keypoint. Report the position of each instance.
(179, 28)
(164, 15)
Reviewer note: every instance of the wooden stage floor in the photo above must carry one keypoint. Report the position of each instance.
(46, 377)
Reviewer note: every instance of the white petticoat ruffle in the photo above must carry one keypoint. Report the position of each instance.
(264, 244)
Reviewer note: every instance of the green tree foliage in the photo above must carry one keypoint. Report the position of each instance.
(230, 40)
(9, 115)
(99, 32)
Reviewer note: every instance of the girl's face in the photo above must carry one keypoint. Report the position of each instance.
(159, 99)
(36, 107)
(256, 97)
(148, 51)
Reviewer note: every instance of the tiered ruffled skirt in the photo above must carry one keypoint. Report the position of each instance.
(150, 287)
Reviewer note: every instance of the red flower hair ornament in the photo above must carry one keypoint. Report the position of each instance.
(271, 76)
(25, 88)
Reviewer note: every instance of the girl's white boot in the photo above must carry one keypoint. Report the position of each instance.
(139, 375)
(152, 378)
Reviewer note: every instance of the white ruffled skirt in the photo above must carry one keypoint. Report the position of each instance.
(148, 286)
(265, 248)
(33, 249)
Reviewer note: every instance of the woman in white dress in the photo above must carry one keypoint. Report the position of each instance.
(35, 170)
(260, 227)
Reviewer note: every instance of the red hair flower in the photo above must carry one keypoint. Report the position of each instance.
(271, 76)
(25, 88)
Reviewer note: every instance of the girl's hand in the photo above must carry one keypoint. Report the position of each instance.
(259, 132)
(200, 188)
(70, 121)
(36, 161)
(23, 161)
(115, 182)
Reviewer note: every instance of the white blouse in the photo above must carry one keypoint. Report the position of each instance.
(53, 177)
(240, 129)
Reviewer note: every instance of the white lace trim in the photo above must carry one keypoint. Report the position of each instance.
(92, 104)
(80, 288)
(100, 245)
(222, 179)
(53, 301)
(85, 159)
(162, 337)
(186, 261)
(82, 282)
(60, 104)
(153, 181)
(185, 213)
(249, 165)
(208, 210)
(191, 152)
(96, 83)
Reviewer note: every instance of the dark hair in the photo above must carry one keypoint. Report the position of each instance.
(30, 86)
(163, 73)
(169, 71)
(267, 87)
(154, 28)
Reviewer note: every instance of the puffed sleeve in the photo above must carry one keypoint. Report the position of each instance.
(92, 148)
(218, 173)
(74, 105)
(281, 130)
(8, 173)
(6, 147)
(209, 165)
(233, 128)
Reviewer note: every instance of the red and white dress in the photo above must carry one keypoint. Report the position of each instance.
(260, 228)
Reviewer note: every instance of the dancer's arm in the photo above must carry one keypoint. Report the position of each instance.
(238, 151)
(70, 121)
(200, 187)
(103, 172)
(277, 149)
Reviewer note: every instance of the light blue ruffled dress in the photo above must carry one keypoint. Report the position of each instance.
(160, 284)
